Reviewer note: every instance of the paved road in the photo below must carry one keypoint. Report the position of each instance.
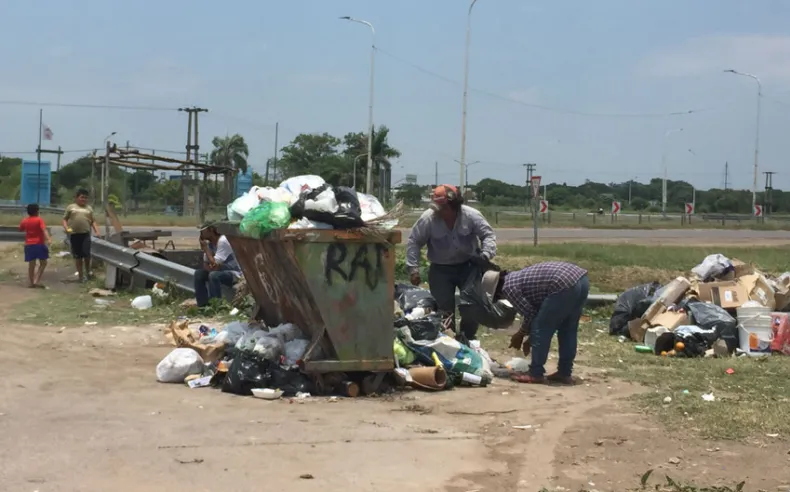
(650, 236)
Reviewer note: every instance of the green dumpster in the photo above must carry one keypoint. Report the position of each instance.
(336, 285)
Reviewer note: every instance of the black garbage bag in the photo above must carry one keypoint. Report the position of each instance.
(245, 373)
(712, 317)
(410, 297)
(695, 344)
(426, 328)
(289, 381)
(475, 304)
(298, 208)
(631, 305)
(348, 214)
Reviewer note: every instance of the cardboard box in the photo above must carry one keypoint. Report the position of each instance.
(637, 329)
(727, 294)
(758, 289)
(670, 320)
(782, 293)
(740, 269)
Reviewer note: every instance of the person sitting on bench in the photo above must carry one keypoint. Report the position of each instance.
(219, 266)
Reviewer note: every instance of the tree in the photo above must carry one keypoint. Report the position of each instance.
(356, 145)
(411, 194)
(230, 152)
(308, 153)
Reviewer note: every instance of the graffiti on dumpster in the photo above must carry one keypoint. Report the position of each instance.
(349, 262)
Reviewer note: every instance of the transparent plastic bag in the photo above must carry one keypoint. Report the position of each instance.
(179, 364)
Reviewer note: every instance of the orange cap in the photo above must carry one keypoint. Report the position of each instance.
(441, 192)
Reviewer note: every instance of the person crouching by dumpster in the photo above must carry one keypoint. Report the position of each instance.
(219, 266)
(458, 237)
(550, 297)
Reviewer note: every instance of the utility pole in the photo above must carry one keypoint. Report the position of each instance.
(726, 175)
(276, 145)
(530, 167)
(192, 150)
(435, 174)
(768, 199)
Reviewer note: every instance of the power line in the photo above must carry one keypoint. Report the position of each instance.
(84, 151)
(86, 106)
(540, 106)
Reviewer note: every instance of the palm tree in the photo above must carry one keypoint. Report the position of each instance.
(230, 152)
(382, 155)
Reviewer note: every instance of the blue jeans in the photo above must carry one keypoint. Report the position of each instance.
(208, 284)
(559, 313)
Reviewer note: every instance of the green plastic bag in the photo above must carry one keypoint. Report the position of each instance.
(264, 218)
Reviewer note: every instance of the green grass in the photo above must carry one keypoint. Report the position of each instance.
(614, 268)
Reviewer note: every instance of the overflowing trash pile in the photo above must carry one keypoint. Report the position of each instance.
(724, 307)
(307, 202)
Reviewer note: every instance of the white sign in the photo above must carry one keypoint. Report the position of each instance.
(535, 186)
(689, 209)
(616, 206)
(544, 206)
(758, 210)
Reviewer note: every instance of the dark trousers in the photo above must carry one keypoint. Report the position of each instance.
(559, 313)
(208, 284)
(443, 280)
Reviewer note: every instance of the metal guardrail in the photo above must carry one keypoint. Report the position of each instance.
(138, 263)
(12, 234)
(21, 209)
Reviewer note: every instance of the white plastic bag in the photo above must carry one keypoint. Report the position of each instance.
(249, 340)
(324, 202)
(712, 266)
(270, 348)
(371, 207)
(179, 364)
(287, 332)
(274, 195)
(142, 302)
(294, 351)
(305, 223)
(296, 185)
(233, 331)
(246, 202)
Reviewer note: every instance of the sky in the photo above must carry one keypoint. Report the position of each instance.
(586, 90)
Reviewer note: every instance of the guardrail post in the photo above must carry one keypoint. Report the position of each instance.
(593, 216)
(640, 217)
(574, 217)
(548, 217)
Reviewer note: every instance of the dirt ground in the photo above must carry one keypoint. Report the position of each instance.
(81, 411)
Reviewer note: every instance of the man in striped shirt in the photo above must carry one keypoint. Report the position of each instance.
(550, 297)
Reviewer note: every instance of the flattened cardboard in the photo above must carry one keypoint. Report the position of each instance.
(740, 269)
(670, 320)
(782, 293)
(759, 289)
(637, 329)
(727, 294)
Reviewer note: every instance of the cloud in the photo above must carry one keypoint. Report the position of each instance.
(531, 95)
(764, 55)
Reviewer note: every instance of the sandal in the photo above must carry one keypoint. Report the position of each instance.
(528, 379)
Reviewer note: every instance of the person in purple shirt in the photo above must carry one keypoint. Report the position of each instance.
(550, 297)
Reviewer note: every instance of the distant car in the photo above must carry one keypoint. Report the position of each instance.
(171, 210)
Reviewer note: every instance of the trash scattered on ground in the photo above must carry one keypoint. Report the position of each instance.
(708, 397)
(725, 307)
(142, 302)
(101, 293)
(667, 400)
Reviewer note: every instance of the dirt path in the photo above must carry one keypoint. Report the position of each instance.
(81, 411)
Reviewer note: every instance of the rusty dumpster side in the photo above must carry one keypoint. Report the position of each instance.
(336, 285)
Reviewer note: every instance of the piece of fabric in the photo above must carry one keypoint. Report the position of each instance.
(443, 280)
(35, 252)
(559, 313)
(80, 245)
(450, 247)
(208, 284)
(33, 227)
(79, 219)
(526, 289)
(225, 258)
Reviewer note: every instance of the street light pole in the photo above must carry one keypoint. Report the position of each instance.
(757, 130)
(466, 89)
(355, 170)
(369, 175)
(666, 173)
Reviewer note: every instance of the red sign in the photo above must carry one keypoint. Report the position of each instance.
(535, 186)
(544, 206)
(689, 209)
(758, 210)
(616, 206)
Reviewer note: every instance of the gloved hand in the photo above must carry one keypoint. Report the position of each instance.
(415, 278)
(517, 341)
(480, 259)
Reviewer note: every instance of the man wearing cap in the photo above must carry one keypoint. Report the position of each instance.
(219, 266)
(550, 297)
(458, 237)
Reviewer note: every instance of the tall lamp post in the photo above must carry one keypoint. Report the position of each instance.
(756, 131)
(666, 173)
(355, 170)
(369, 175)
(466, 89)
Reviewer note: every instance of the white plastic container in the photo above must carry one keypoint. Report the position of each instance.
(755, 331)
(652, 334)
